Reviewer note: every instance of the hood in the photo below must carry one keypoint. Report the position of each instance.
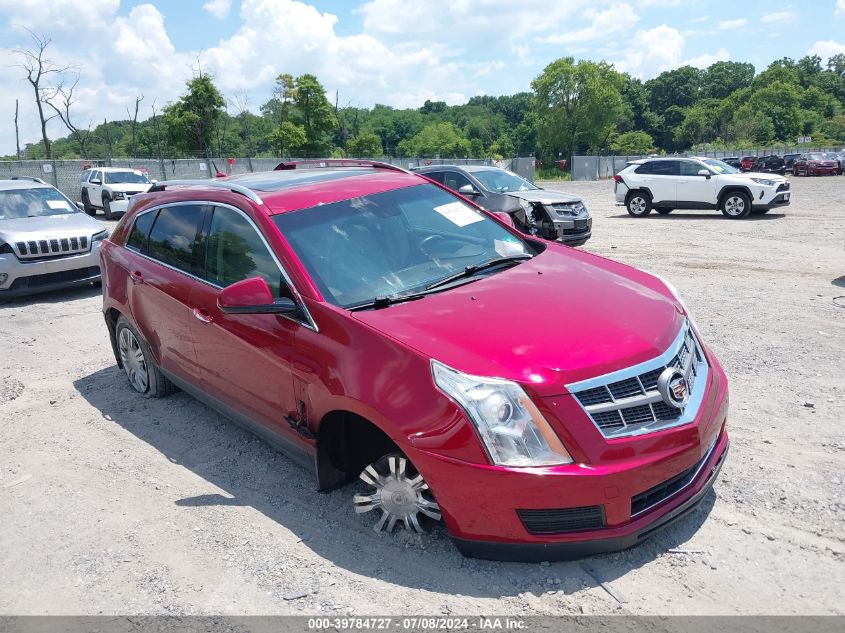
(558, 318)
(51, 226)
(760, 174)
(544, 196)
(130, 187)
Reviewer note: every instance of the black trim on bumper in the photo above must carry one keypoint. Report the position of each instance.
(778, 201)
(24, 289)
(537, 552)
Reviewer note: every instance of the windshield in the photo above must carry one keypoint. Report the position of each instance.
(33, 203)
(502, 180)
(125, 177)
(392, 243)
(815, 156)
(719, 166)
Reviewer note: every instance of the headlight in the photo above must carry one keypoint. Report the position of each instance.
(118, 195)
(99, 237)
(526, 206)
(511, 427)
(765, 182)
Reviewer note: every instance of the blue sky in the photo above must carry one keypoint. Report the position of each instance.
(397, 52)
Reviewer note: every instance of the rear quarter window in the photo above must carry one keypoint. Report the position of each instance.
(140, 231)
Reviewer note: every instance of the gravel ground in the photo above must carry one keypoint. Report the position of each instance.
(115, 504)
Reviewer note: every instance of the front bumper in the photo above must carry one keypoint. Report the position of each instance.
(120, 206)
(822, 171)
(780, 200)
(573, 232)
(26, 278)
(634, 487)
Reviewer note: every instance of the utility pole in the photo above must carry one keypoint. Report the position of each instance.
(17, 132)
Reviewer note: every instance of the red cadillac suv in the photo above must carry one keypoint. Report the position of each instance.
(541, 401)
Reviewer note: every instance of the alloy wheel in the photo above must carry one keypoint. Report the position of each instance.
(638, 205)
(398, 492)
(132, 358)
(734, 206)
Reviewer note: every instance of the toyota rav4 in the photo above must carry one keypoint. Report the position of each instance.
(665, 184)
(541, 401)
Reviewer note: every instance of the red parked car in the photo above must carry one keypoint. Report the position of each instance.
(746, 163)
(815, 165)
(541, 401)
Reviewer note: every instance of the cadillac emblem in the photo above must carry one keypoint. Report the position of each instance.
(673, 388)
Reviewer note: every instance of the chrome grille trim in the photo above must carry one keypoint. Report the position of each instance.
(52, 247)
(626, 402)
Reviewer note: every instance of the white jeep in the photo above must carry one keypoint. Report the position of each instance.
(665, 184)
(110, 189)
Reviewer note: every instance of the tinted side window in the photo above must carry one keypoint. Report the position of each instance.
(173, 238)
(645, 168)
(689, 168)
(454, 180)
(140, 231)
(435, 175)
(666, 168)
(235, 251)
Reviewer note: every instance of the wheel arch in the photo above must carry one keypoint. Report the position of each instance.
(728, 189)
(111, 316)
(636, 190)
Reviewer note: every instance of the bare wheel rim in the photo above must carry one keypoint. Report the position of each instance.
(734, 205)
(399, 496)
(133, 361)
(637, 205)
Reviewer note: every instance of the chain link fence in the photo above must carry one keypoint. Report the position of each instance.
(65, 174)
(601, 167)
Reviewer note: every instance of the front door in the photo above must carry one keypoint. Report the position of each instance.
(245, 358)
(693, 189)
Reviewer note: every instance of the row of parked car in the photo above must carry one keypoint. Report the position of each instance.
(809, 164)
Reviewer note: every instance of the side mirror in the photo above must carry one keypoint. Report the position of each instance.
(154, 181)
(504, 217)
(96, 181)
(79, 205)
(468, 190)
(253, 296)
(704, 172)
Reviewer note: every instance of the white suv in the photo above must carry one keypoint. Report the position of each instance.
(665, 184)
(110, 188)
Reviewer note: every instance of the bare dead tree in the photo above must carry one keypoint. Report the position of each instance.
(133, 122)
(38, 68)
(158, 138)
(107, 132)
(60, 99)
(343, 129)
(17, 131)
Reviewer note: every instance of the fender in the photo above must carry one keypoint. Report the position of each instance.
(726, 189)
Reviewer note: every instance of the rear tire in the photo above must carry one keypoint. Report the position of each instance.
(663, 210)
(736, 205)
(138, 364)
(107, 208)
(638, 204)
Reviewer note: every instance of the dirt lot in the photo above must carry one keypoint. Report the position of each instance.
(110, 503)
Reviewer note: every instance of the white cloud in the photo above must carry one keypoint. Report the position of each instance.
(733, 24)
(778, 16)
(218, 8)
(707, 59)
(699, 19)
(652, 51)
(616, 18)
(826, 49)
(840, 7)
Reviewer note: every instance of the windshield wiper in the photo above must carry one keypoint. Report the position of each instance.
(472, 269)
(387, 300)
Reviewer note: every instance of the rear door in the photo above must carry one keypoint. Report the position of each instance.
(162, 270)
(245, 358)
(663, 182)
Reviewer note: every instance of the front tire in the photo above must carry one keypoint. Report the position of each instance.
(86, 203)
(138, 364)
(638, 204)
(736, 205)
(107, 208)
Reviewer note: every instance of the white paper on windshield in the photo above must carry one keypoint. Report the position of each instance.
(459, 214)
(58, 204)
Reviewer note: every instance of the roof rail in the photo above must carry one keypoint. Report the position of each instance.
(217, 184)
(319, 163)
(32, 178)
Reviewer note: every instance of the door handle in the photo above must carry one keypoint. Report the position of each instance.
(136, 277)
(202, 315)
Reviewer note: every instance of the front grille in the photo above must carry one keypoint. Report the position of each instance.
(54, 247)
(662, 491)
(47, 279)
(627, 402)
(567, 208)
(558, 521)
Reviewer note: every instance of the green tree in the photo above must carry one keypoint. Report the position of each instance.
(577, 105)
(315, 111)
(191, 121)
(679, 87)
(723, 78)
(439, 139)
(780, 103)
(287, 138)
(633, 143)
(365, 145)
